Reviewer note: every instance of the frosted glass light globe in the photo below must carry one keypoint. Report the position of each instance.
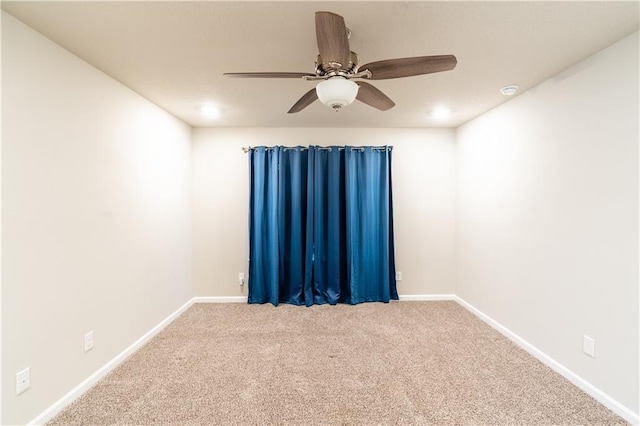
(337, 92)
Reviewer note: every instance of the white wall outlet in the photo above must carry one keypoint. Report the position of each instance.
(589, 346)
(241, 278)
(398, 275)
(88, 341)
(23, 380)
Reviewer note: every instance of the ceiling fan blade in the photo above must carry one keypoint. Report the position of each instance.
(407, 67)
(268, 74)
(333, 42)
(373, 97)
(306, 100)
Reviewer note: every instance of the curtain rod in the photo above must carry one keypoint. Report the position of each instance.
(327, 148)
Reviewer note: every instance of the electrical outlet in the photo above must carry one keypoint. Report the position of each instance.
(88, 341)
(398, 276)
(241, 278)
(23, 380)
(589, 346)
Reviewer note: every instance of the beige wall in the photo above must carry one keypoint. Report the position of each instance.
(96, 218)
(424, 184)
(547, 217)
(1, 373)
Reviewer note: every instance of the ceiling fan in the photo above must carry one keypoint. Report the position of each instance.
(336, 65)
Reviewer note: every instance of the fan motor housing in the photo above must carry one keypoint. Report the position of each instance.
(328, 68)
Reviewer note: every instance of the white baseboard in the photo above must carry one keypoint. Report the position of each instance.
(220, 299)
(74, 393)
(425, 297)
(587, 387)
(243, 299)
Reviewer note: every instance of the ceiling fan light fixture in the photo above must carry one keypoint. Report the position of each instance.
(337, 92)
(337, 64)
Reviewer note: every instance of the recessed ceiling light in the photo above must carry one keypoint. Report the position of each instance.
(509, 90)
(440, 113)
(209, 111)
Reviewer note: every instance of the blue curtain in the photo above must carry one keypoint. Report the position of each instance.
(321, 225)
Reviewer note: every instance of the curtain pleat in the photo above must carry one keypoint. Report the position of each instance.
(330, 279)
(264, 221)
(321, 226)
(369, 252)
(292, 221)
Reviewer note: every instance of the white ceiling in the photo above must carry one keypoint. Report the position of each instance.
(175, 52)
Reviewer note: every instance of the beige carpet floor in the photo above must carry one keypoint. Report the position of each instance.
(398, 363)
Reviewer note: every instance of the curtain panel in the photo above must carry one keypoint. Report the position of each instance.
(321, 225)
